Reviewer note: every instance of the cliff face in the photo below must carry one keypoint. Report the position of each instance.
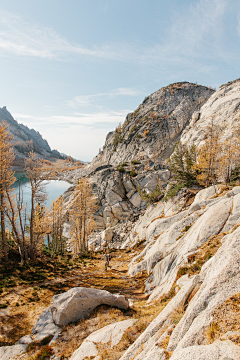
(26, 139)
(223, 108)
(154, 127)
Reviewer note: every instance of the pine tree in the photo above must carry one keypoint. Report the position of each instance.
(181, 163)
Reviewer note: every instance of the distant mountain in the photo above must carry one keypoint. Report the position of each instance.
(26, 139)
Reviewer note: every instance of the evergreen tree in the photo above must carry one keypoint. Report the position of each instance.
(181, 163)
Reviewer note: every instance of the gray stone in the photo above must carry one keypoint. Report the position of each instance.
(78, 302)
(111, 197)
(219, 350)
(27, 339)
(111, 333)
(45, 326)
(117, 211)
(136, 200)
(11, 352)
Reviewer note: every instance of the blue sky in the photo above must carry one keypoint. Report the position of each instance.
(73, 69)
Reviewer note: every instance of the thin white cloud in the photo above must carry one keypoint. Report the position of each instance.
(195, 34)
(75, 119)
(80, 135)
(22, 38)
(87, 100)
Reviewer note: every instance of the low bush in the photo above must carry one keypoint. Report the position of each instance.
(132, 173)
(155, 196)
(174, 191)
(136, 162)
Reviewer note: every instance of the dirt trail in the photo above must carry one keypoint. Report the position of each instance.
(26, 302)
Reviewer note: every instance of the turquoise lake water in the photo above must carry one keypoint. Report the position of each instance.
(55, 188)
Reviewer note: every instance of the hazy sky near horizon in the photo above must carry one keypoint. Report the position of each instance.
(72, 70)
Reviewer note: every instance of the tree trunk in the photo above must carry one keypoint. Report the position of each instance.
(4, 240)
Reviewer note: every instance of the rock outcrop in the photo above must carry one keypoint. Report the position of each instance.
(153, 128)
(111, 334)
(223, 108)
(218, 280)
(12, 352)
(78, 302)
(26, 140)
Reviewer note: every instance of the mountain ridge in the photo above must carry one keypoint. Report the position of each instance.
(25, 140)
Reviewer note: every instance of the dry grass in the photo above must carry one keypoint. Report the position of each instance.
(204, 253)
(177, 314)
(88, 273)
(225, 318)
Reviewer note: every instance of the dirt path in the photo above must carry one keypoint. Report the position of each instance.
(26, 302)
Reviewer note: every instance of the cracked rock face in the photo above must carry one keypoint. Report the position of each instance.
(218, 280)
(111, 334)
(156, 124)
(223, 107)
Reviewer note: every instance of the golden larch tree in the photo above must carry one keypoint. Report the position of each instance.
(81, 215)
(6, 179)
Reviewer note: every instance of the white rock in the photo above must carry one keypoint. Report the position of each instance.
(205, 194)
(209, 224)
(142, 341)
(78, 302)
(221, 280)
(106, 235)
(45, 326)
(234, 216)
(27, 339)
(87, 349)
(136, 200)
(127, 183)
(117, 210)
(11, 352)
(219, 350)
(111, 333)
(111, 197)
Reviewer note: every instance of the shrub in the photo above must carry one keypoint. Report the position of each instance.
(120, 167)
(132, 173)
(134, 128)
(174, 190)
(135, 162)
(156, 195)
(3, 306)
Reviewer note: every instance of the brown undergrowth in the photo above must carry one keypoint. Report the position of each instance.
(22, 303)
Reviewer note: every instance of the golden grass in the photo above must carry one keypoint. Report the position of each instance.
(204, 253)
(225, 318)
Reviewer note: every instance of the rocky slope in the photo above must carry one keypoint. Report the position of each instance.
(133, 157)
(153, 128)
(26, 139)
(223, 108)
(191, 256)
(191, 243)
